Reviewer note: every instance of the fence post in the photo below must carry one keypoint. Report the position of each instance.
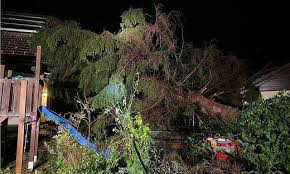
(2, 70)
(35, 124)
(21, 119)
(16, 93)
(5, 96)
(9, 74)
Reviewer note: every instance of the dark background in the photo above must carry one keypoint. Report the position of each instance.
(255, 31)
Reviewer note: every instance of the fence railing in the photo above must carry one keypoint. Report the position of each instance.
(9, 97)
(21, 97)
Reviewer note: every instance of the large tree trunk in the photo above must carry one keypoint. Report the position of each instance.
(212, 108)
(209, 107)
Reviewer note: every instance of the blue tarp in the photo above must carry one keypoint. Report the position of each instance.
(72, 131)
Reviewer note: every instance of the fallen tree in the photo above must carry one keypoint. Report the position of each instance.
(169, 73)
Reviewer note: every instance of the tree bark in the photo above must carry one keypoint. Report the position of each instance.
(212, 108)
(209, 107)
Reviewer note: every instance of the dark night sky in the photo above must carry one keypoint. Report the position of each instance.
(256, 31)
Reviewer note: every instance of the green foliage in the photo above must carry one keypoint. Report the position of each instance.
(98, 126)
(134, 139)
(213, 126)
(67, 157)
(99, 54)
(141, 135)
(131, 143)
(135, 136)
(111, 95)
(2, 171)
(132, 18)
(264, 129)
(93, 79)
(93, 164)
(149, 89)
(60, 48)
(104, 45)
(198, 149)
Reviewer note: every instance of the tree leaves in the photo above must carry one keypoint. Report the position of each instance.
(132, 18)
(264, 128)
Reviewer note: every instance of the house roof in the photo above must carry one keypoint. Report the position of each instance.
(278, 79)
(17, 30)
(16, 43)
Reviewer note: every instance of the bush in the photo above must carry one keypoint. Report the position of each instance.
(263, 127)
(134, 142)
(199, 150)
(66, 156)
(2, 171)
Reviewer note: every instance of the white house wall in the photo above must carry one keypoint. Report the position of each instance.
(270, 94)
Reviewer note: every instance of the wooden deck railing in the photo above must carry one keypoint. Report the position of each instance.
(9, 97)
(21, 98)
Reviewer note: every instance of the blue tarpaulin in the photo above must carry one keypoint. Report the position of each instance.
(72, 130)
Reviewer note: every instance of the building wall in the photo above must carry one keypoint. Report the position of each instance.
(270, 94)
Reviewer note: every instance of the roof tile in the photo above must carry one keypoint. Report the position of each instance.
(16, 43)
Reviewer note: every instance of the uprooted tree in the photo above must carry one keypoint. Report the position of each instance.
(171, 73)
